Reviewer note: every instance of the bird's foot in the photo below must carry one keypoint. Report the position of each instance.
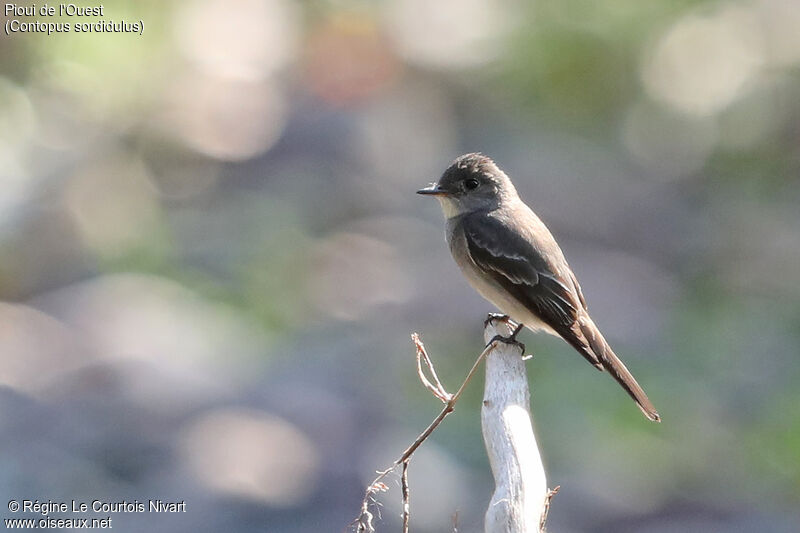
(500, 318)
(511, 339)
(495, 316)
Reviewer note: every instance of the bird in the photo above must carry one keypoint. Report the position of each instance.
(510, 257)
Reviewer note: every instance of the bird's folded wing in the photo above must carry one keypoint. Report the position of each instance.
(529, 276)
(514, 262)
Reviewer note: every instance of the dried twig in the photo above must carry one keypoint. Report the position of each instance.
(363, 523)
(436, 388)
(406, 494)
(449, 405)
(550, 494)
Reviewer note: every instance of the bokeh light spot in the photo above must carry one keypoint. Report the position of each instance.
(251, 455)
(704, 61)
(242, 39)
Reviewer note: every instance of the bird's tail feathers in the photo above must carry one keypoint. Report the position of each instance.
(616, 368)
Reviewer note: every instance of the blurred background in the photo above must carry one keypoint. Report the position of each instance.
(212, 257)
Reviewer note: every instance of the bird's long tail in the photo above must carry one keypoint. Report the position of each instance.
(616, 368)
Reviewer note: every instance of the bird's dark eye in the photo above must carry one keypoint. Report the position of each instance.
(471, 184)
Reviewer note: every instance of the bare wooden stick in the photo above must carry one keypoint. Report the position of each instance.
(520, 497)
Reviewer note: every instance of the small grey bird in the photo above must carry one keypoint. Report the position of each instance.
(510, 257)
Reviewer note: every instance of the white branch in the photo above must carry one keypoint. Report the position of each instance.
(521, 491)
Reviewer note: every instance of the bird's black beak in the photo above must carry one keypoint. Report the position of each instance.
(433, 190)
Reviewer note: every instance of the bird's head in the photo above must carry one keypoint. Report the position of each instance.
(471, 183)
